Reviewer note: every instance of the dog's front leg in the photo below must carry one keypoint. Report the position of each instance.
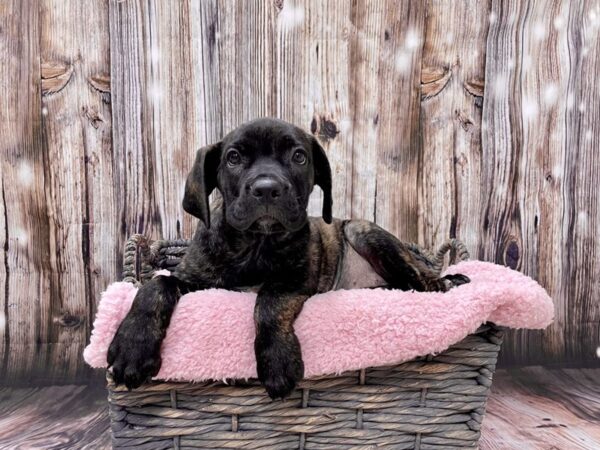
(134, 353)
(278, 355)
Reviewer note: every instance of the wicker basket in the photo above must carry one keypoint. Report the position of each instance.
(432, 402)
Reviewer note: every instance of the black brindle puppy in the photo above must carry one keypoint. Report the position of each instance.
(261, 237)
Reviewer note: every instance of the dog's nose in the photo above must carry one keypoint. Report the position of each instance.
(266, 188)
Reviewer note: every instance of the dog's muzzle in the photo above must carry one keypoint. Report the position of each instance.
(267, 204)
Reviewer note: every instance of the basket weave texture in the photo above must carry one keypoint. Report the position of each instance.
(432, 402)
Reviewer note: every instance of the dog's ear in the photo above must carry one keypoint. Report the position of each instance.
(201, 181)
(323, 177)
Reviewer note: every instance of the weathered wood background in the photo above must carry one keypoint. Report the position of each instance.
(441, 118)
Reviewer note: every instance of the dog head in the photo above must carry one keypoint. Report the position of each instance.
(265, 170)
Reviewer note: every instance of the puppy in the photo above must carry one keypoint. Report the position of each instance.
(261, 238)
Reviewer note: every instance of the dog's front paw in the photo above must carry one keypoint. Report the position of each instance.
(456, 280)
(279, 365)
(134, 353)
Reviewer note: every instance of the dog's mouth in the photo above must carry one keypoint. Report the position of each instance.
(265, 220)
(267, 224)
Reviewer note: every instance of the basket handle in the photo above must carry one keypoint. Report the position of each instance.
(135, 253)
(458, 252)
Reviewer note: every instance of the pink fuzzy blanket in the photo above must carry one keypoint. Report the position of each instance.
(212, 332)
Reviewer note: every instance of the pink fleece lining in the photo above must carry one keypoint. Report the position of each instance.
(212, 332)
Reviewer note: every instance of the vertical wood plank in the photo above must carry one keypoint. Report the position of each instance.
(580, 286)
(399, 145)
(246, 61)
(368, 36)
(452, 83)
(76, 130)
(540, 176)
(133, 135)
(26, 239)
(313, 86)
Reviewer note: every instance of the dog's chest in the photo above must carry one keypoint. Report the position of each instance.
(355, 272)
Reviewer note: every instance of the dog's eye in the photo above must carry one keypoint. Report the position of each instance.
(299, 157)
(233, 157)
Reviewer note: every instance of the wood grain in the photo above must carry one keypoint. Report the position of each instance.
(26, 237)
(539, 177)
(478, 121)
(56, 417)
(538, 409)
(452, 85)
(398, 144)
(76, 149)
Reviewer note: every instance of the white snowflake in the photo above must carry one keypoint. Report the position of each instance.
(539, 31)
(529, 108)
(582, 220)
(21, 236)
(500, 86)
(44, 111)
(154, 54)
(155, 91)
(570, 101)
(551, 92)
(588, 135)
(291, 16)
(403, 61)
(344, 125)
(25, 174)
(594, 16)
(526, 62)
(559, 22)
(412, 40)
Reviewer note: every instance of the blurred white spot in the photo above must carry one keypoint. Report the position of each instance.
(581, 108)
(559, 22)
(526, 62)
(412, 40)
(511, 63)
(2, 322)
(25, 174)
(582, 220)
(403, 61)
(344, 125)
(570, 101)
(500, 85)
(44, 111)
(493, 17)
(291, 16)
(449, 38)
(21, 236)
(154, 54)
(594, 16)
(598, 352)
(585, 50)
(588, 135)
(539, 31)
(550, 94)
(155, 91)
(530, 108)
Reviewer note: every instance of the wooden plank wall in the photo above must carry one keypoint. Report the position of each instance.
(440, 118)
